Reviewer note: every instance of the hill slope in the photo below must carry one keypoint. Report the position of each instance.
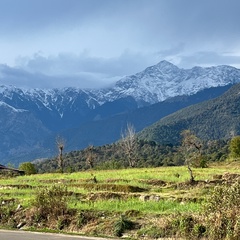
(14, 141)
(218, 118)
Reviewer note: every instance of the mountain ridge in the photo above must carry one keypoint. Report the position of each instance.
(56, 111)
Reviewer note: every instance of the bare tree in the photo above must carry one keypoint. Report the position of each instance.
(90, 156)
(129, 144)
(191, 149)
(60, 142)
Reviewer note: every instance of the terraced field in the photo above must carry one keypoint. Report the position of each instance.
(137, 203)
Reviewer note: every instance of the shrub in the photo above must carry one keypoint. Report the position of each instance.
(6, 212)
(28, 168)
(234, 147)
(110, 164)
(121, 225)
(183, 226)
(223, 213)
(51, 202)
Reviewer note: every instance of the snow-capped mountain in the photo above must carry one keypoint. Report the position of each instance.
(155, 84)
(54, 107)
(165, 80)
(34, 114)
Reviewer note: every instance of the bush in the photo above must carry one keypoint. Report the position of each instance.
(184, 226)
(235, 147)
(6, 211)
(121, 225)
(51, 202)
(111, 164)
(28, 168)
(223, 213)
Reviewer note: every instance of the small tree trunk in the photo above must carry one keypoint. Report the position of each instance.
(191, 174)
(60, 159)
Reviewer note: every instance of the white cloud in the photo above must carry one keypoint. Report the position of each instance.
(81, 70)
(100, 41)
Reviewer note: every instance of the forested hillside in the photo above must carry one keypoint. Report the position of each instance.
(214, 119)
(113, 156)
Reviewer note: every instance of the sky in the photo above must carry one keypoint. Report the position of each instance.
(94, 43)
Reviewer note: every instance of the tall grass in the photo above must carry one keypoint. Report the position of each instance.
(161, 207)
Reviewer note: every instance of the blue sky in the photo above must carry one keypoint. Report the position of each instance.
(93, 43)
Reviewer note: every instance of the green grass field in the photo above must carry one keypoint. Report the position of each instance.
(146, 192)
(153, 181)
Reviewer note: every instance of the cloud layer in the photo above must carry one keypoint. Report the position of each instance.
(92, 43)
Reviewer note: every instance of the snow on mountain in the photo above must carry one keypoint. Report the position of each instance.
(165, 80)
(154, 84)
(6, 106)
(55, 100)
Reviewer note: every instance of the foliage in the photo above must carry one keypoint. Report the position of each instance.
(28, 168)
(234, 147)
(223, 213)
(51, 202)
(148, 154)
(121, 225)
(6, 211)
(111, 164)
(112, 156)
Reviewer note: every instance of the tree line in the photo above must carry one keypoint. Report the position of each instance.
(130, 151)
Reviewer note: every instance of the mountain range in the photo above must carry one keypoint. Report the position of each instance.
(32, 118)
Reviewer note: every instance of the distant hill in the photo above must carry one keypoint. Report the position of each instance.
(218, 118)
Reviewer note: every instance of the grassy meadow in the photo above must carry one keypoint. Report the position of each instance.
(145, 197)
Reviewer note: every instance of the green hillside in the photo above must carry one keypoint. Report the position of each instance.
(214, 119)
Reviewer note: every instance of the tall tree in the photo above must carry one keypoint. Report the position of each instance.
(129, 144)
